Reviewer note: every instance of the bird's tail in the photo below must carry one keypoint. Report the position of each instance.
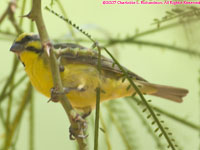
(168, 92)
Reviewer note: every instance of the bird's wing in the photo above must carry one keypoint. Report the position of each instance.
(74, 53)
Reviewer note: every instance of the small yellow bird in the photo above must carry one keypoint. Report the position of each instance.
(80, 74)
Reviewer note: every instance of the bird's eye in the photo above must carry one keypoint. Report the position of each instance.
(28, 38)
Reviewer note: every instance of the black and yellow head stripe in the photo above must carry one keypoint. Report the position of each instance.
(34, 49)
(27, 38)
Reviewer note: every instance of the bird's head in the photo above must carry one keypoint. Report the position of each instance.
(26, 42)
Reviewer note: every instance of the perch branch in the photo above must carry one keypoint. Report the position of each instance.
(36, 15)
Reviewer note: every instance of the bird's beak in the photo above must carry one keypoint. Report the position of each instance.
(17, 47)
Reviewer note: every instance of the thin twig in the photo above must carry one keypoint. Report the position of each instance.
(8, 33)
(146, 124)
(14, 87)
(22, 12)
(153, 44)
(183, 121)
(11, 13)
(5, 87)
(4, 15)
(98, 91)
(11, 77)
(164, 27)
(96, 135)
(65, 15)
(115, 122)
(18, 116)
(193, 12)
(107, 139)
(9, 108)
(3, 121)
(31, 124)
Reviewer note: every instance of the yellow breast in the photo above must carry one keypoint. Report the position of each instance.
(74, 76)
(38, 72)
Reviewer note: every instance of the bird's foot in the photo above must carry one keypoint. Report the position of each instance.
(79, 130)
(55, 94)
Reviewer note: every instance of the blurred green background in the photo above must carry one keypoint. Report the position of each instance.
(157, 65)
